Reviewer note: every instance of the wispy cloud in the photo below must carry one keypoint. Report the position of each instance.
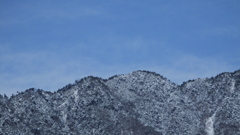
(12, 21)
(188, 67)
(69, 14)
(47, 70)
(226, 31)
(50, 70)
(27, 13)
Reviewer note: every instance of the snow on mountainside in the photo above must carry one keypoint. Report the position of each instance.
(138, 103)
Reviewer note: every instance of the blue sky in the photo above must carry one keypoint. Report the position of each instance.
(48, 44)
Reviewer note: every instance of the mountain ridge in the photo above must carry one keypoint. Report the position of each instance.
(138, 103)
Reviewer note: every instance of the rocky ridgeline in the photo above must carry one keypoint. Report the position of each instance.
(139, 103)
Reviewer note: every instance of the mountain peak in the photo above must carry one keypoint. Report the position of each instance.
(139, 74)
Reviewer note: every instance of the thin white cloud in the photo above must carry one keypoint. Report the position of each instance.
(53, 72)
(23, 14)
(45, 70)
(226, 31)
(12, 21)
(127, 44)
(68, 14)
(189, 67)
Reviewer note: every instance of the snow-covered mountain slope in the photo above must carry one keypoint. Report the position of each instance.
(138, 103)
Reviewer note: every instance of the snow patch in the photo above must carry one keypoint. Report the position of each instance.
(64, 117)
(209, 125)
(232, 86)
(64, 103)
(75, 94)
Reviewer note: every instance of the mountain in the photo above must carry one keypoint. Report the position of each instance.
(138, 103)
